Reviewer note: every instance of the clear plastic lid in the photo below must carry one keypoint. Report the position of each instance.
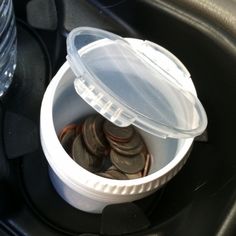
(131, 81)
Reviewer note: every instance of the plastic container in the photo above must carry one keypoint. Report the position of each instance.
(128, 81)
(8, 45)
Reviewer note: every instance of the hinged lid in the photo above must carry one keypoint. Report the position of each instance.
(131, 81)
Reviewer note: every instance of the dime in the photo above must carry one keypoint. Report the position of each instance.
(82, 157)
(127, 164)
(119, 134)
(67, 140)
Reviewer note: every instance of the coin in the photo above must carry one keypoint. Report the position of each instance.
(133, 143)
(78, 129)
(95, 147)
(67, 140)
(106, 163)
(105, 175)
(82, 157)
(65, 129)
(103, 148)
(134, 146)
(147, 165)
(135, 176)
(98, 131)
(116, 174)
(120, 134)
(113, 174)
(127, 164)
(112, 167)
(78, 153)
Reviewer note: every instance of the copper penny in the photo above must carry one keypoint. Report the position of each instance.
(65, 130)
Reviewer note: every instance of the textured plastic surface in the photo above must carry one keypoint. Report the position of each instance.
(136, 82)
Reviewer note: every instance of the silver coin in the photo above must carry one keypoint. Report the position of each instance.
(116, 174)
(127, 164)
(82, 157)
(116, 133)
(135, 176)
(78, 153)
(98, 131)
(112, 167)
(134, 146)
(94, 147)
(113, 174)
(133, 143)
(106, 163)
(105, 175)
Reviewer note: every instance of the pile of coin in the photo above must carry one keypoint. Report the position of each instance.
(105, 149)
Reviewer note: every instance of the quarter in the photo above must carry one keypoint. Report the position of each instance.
(98, 131)
(129, 165)
(135, 176)
(120, 134)
(82, 157)
(116, 174)
(91, 141)
(133, 147)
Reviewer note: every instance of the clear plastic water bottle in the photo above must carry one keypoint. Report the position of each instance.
(7, 45)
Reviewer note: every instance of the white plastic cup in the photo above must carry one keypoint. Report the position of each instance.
(82, 189)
